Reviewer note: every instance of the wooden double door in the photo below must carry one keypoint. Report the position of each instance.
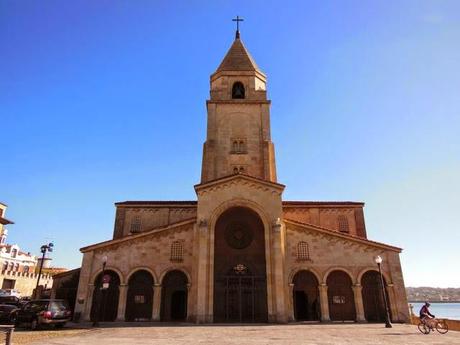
(240, 280)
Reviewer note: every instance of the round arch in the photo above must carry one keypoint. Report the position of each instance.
(175, 268)
(104, 305)
(223, 207)
(295, 270)
(266, 221)
(338, 268)
(373, 299)
(367, 269)
(109, 268)
(305, 296)
(142, 268)
(139, 298)
(174, 296)
(240, 264)
(340, 295)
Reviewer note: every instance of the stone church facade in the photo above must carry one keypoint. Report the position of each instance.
(239, 253)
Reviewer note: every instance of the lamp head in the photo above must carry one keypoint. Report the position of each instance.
(378, 259)
(104, 259)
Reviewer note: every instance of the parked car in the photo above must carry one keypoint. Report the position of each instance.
(44, 312)
(10, 292)
(12, 300)
(8, 313)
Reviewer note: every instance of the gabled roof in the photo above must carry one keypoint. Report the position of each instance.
(238, 59)
(322, 203)
(181, 203)
(141, 234)
(344, 236)
(243, 176)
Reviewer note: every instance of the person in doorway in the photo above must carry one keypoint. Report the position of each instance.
(425, 313)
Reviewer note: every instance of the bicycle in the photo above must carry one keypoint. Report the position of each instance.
(431, 324)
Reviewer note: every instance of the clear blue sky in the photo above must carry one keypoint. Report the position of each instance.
(104, 101)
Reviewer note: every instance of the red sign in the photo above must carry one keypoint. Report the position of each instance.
(106, 278)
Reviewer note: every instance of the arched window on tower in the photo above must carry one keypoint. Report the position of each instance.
(177, 252)
(303, 252)
(238, 90)
(343, 224)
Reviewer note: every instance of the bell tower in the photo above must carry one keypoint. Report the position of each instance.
(238, 129)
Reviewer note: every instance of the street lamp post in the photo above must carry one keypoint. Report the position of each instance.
(378, 260)
(100, 288)
(43, 249)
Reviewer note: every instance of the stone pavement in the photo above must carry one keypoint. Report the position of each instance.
(292, 334)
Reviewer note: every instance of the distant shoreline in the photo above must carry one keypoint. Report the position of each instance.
(423, 301)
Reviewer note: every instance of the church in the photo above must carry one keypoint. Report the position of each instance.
(239, 252)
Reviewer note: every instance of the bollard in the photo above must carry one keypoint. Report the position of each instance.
(8, 330)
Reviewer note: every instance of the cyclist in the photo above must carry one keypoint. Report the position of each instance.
(425, 313)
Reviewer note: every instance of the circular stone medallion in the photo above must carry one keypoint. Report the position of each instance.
(238, 235)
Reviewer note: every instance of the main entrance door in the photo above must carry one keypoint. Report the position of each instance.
(240, 280)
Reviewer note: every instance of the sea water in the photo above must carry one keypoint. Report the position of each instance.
(441, 310)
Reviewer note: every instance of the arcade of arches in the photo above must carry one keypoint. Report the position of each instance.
(241, 292)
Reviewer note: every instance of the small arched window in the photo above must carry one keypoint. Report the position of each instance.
(241, 169)
(238, 90)
(303, 252)
(5, 266)
(177, 251)
(26, 269)
(16, 267)
(11, 266)
(343, 223)
(235, 170)
(235, 146)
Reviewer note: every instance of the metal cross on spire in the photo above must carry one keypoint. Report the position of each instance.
(237, 20)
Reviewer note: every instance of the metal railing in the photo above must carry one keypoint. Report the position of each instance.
(6, 334)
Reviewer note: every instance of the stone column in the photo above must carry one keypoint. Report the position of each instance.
(324, 303)
(122, 298)
(279, 287)
(89, 301)
(202, 269)
(357, 291)
(156, 302)
(189, 316)
(291, 302)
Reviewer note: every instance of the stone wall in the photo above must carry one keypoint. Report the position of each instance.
(147, 251)
(25, 282)
(328, 252)
(331, 216)
(131, 218)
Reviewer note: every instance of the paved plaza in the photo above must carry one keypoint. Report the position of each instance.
(305, 334)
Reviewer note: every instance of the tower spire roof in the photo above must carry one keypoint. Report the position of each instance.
(238, 58)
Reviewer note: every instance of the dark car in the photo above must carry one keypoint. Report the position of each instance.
(44, 312)
(8, 313)
(12, 300)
